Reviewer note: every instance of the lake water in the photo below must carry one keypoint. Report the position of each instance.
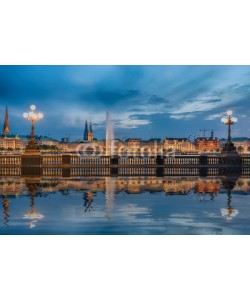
(125, 205)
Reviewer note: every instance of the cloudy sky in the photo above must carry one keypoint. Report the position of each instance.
(144, 101)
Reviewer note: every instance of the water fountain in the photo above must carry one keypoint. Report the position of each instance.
(109, 134)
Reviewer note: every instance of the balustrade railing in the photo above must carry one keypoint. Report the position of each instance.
(89, 171)
(182, 160)
(10, 160)
(51, 160)
(89, 160)
(136, 161)
(245, 160)
(5, 171)
(137, 171)
(74, 160)
(181, 171)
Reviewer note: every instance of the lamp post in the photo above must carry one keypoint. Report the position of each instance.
(229, 121)
(32, 116)
(231, 161)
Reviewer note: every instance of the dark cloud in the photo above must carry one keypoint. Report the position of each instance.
(144, 96)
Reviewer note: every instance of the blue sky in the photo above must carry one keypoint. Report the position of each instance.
(144, 101)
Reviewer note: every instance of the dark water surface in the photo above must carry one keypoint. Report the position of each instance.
(125, 205)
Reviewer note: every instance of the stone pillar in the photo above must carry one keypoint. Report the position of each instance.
(31, 162)
(66, 165)
(159, 164)
(114, 164)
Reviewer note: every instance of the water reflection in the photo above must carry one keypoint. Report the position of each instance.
(229, 212)
(88, 199)
(110, 196)
(32, 215)
(126, 205)
(6, 203)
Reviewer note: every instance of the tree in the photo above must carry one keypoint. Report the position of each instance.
(240, 149)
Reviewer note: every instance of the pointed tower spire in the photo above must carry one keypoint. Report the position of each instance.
(6, 128)
(85, 137)
(90, 133)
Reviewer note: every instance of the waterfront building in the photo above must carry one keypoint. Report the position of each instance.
(94, 147)
(133, 146)
(137, 146)
(9, 141)
(153, 146)
(207, 144)
(178, 145)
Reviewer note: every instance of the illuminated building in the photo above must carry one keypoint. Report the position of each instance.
(207, 144)
(178, 145)
(9, 141)
(133, 146)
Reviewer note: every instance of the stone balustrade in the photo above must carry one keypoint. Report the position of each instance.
(75, 160)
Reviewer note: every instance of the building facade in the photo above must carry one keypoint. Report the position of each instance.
(207, 144)
(178, 145)
(9, 141)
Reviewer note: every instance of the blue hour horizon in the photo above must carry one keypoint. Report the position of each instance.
(144, 101)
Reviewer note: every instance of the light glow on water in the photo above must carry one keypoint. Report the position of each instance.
(125, 205)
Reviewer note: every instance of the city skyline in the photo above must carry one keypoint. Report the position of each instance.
(144, 101)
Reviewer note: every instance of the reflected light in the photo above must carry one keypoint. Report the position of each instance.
(229, 213)
(32, 215)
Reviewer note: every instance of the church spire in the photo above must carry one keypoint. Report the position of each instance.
(90, 127)
(6, 128)
(86, 131)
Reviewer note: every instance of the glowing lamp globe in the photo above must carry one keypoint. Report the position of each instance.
(40, 116)
(229, 112)
(223, 120)
(25, 115)
(235, 120)
(32, 107)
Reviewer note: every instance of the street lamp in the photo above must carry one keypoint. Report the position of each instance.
(32, 116)
(229, 121)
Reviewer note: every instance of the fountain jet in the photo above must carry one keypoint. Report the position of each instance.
(109, 134)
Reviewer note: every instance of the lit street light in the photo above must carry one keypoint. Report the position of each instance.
(32, 116)
(229, 121)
